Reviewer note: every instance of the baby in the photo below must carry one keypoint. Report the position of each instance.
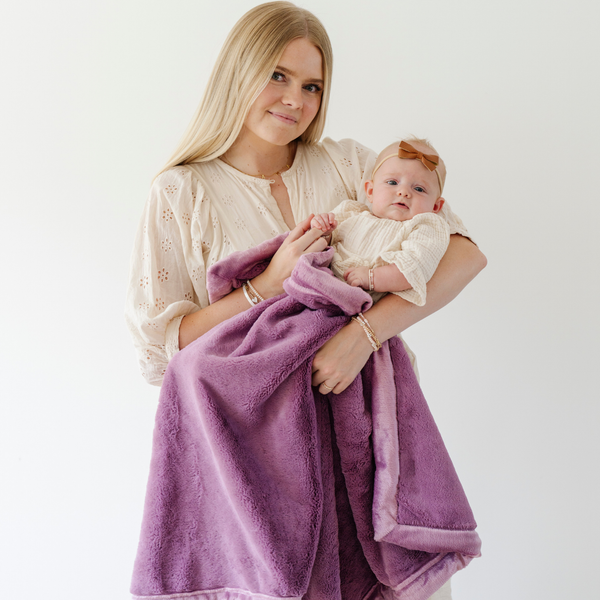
(395, 247)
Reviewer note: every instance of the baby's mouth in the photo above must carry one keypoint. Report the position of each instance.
(400, 204)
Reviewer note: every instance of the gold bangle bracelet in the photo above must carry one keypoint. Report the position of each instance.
(251, 294)
(253, 290)
(362, 321)
(247, 294)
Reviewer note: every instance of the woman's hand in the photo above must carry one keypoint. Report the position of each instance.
(268, 284)
(302, 239)
(341, 359)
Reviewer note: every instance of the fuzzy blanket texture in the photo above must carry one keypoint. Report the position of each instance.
(262, 488)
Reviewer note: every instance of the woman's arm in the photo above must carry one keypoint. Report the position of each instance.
(163, 303)
(340, 359)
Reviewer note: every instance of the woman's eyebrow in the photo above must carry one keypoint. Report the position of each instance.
(292, 73)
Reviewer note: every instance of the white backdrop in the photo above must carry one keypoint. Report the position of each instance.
(96, 95)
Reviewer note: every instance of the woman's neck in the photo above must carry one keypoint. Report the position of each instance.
(259, 158)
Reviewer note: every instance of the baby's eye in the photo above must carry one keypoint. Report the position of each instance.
(313, 88)
(418, 188)
(277, 76)
(392, 182)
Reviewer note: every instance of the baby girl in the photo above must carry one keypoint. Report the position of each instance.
(396, 246)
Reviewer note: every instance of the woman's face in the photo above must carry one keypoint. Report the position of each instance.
(291, 100)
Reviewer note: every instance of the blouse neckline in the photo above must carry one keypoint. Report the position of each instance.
(260, 180)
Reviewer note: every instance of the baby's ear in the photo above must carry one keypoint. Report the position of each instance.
(438, 205)
(369, 190)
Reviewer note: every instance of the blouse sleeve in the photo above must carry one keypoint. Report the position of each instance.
(419, 254)
(160, 289)
(354, 163)
(454, 221)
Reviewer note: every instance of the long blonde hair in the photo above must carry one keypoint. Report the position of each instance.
(243, 69)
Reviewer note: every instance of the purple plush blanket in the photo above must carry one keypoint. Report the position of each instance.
(262, 488)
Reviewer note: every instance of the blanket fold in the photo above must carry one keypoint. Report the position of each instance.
(261, 487)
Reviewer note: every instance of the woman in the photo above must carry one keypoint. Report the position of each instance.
(250, 167)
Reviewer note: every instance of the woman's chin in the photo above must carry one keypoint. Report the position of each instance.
(273, 137)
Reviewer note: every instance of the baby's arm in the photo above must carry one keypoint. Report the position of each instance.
(410, 266)
(387, 278)
(326, 222)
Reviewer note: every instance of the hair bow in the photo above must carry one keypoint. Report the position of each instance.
(407, 151)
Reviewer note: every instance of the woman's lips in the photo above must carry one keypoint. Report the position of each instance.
(284, 118)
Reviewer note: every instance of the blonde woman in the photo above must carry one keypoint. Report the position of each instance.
(250, 166)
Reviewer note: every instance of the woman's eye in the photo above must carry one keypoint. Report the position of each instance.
(313, 88)
(278, 76)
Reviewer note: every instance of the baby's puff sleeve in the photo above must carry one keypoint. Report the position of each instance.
(419, 254)
(160, 291)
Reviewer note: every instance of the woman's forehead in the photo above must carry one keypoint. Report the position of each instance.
(303, 59)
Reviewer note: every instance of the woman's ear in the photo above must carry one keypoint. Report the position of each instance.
(438, 205)
(369, 190)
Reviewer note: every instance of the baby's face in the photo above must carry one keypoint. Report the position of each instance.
(402, 189)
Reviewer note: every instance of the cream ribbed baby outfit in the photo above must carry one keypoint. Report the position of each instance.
(415, 246)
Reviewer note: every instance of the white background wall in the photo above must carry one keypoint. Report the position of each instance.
(95, 96)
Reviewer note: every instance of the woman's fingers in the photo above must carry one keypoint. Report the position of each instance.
(317, 246)
(341, 358)
(302, 238)
(300, 229)
(325, 388)
(310, 241)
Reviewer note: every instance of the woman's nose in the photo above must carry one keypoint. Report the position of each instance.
(293, 97)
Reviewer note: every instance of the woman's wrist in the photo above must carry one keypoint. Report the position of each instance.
(251, 294)
(381, 318)
(361, 336)
(369, 332)
(265, 287)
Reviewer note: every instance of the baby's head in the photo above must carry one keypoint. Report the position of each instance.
(401, 188)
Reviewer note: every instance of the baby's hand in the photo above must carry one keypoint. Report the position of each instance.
(358, 277)
(326, 222)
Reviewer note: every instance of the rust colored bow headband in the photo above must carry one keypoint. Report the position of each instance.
(405, 150)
